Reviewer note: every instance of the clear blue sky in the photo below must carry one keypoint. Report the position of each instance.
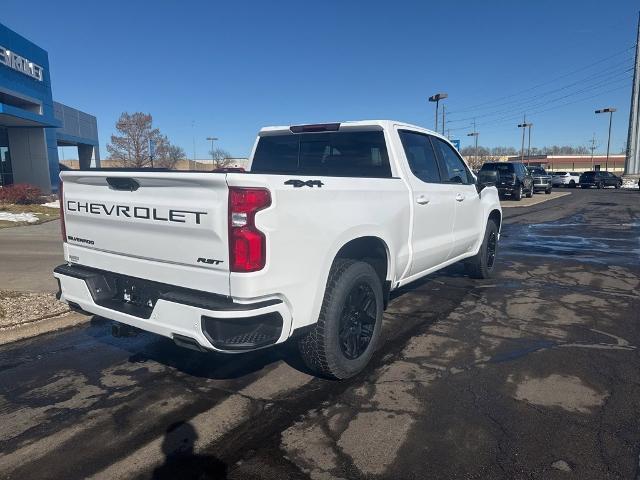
(227, 68)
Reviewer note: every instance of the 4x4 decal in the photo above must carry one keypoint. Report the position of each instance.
(300, 183)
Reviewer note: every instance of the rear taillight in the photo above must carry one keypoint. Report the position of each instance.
(247, 244)
(63, 228)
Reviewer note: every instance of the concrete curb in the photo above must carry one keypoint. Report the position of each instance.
(38, 327)
(530, 202)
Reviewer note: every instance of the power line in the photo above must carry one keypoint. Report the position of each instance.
(602, 77)
(515, 115)
(603, 84)
(515, 94)
(555, 107)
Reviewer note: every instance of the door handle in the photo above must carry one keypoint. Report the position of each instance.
(459, 197)
(422, 200)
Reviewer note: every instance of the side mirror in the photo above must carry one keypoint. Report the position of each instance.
(486, 178)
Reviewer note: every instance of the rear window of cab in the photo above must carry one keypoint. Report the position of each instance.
(339, 154)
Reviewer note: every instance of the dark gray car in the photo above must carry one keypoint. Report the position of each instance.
(541, 179)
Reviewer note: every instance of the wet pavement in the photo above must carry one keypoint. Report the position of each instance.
(533, 374)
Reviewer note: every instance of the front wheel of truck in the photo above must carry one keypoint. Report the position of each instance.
(482, 264)
(343, 341)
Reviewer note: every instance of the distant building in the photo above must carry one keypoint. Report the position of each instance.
(32, 125)
(575, 163)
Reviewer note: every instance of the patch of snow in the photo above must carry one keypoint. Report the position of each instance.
(18, 217)
(54, 204)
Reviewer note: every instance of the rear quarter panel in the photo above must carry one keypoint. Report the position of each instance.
(306, 227)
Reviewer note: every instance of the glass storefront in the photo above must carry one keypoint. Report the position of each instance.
(6, 173)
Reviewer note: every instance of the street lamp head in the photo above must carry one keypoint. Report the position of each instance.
(437, 97)
(525, 125)
(212, 138)
(473, 134)
(606, 110)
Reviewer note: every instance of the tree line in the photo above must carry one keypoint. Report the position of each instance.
(137, 144)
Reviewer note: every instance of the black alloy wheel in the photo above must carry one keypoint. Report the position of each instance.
(357, 322)
(492, 247)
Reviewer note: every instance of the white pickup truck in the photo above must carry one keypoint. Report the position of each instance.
(308, 243)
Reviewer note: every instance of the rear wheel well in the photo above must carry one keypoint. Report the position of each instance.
(373, 251)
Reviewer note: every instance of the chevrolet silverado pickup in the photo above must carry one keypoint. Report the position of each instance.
(305, 245)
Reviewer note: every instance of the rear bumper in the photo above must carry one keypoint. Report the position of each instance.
(213, 321)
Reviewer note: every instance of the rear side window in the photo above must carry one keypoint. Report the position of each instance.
(339, 154)
(420, 156)
(454, 168)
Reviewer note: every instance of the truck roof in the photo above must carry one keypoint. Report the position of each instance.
(355, 125)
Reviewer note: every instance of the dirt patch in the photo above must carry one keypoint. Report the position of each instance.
(17, 308)
(565, 391)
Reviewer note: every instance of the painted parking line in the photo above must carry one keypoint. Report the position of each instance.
(535, 200)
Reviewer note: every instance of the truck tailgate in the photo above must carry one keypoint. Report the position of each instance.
(173, 220)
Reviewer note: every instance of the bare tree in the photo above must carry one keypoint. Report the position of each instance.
(221, 158)
(130, 148)
(171, 155)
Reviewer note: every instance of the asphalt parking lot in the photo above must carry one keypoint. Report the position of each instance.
(533, 374)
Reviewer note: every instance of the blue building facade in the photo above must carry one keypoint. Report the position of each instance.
(32, 125)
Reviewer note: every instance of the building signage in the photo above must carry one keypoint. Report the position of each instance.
(21, 64)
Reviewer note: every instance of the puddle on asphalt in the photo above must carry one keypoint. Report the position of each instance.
(574, 237)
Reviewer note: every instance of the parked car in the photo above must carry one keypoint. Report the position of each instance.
(307, 245)
(512, 178)
(565, 179)
(600, 179)
(541, 179)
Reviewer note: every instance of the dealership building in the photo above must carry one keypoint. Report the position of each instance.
(32, 125)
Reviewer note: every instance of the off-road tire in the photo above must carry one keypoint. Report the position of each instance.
(479, 266)
(530, 192)
(547, 191)
(320, 348)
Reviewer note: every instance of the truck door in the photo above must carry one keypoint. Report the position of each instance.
(433, 206)
(468, 207)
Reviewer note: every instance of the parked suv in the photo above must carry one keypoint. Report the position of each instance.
(541, 179)
(565, 179)
(512, 178)
(600, 180)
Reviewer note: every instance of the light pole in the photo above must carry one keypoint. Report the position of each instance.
(212, 139)
(436, 98)
(524, 125)
(610, 111)
(475, 150)
(529, 146)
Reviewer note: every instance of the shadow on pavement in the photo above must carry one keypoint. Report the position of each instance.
(180, 459)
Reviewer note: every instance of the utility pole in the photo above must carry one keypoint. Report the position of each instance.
(632, 160)
(193, 125)
(524, 125)
(475, 134)
(436, 98)
(213, 160)
(529, 147)
(610, 111)
(443, 118)
(593, 147)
